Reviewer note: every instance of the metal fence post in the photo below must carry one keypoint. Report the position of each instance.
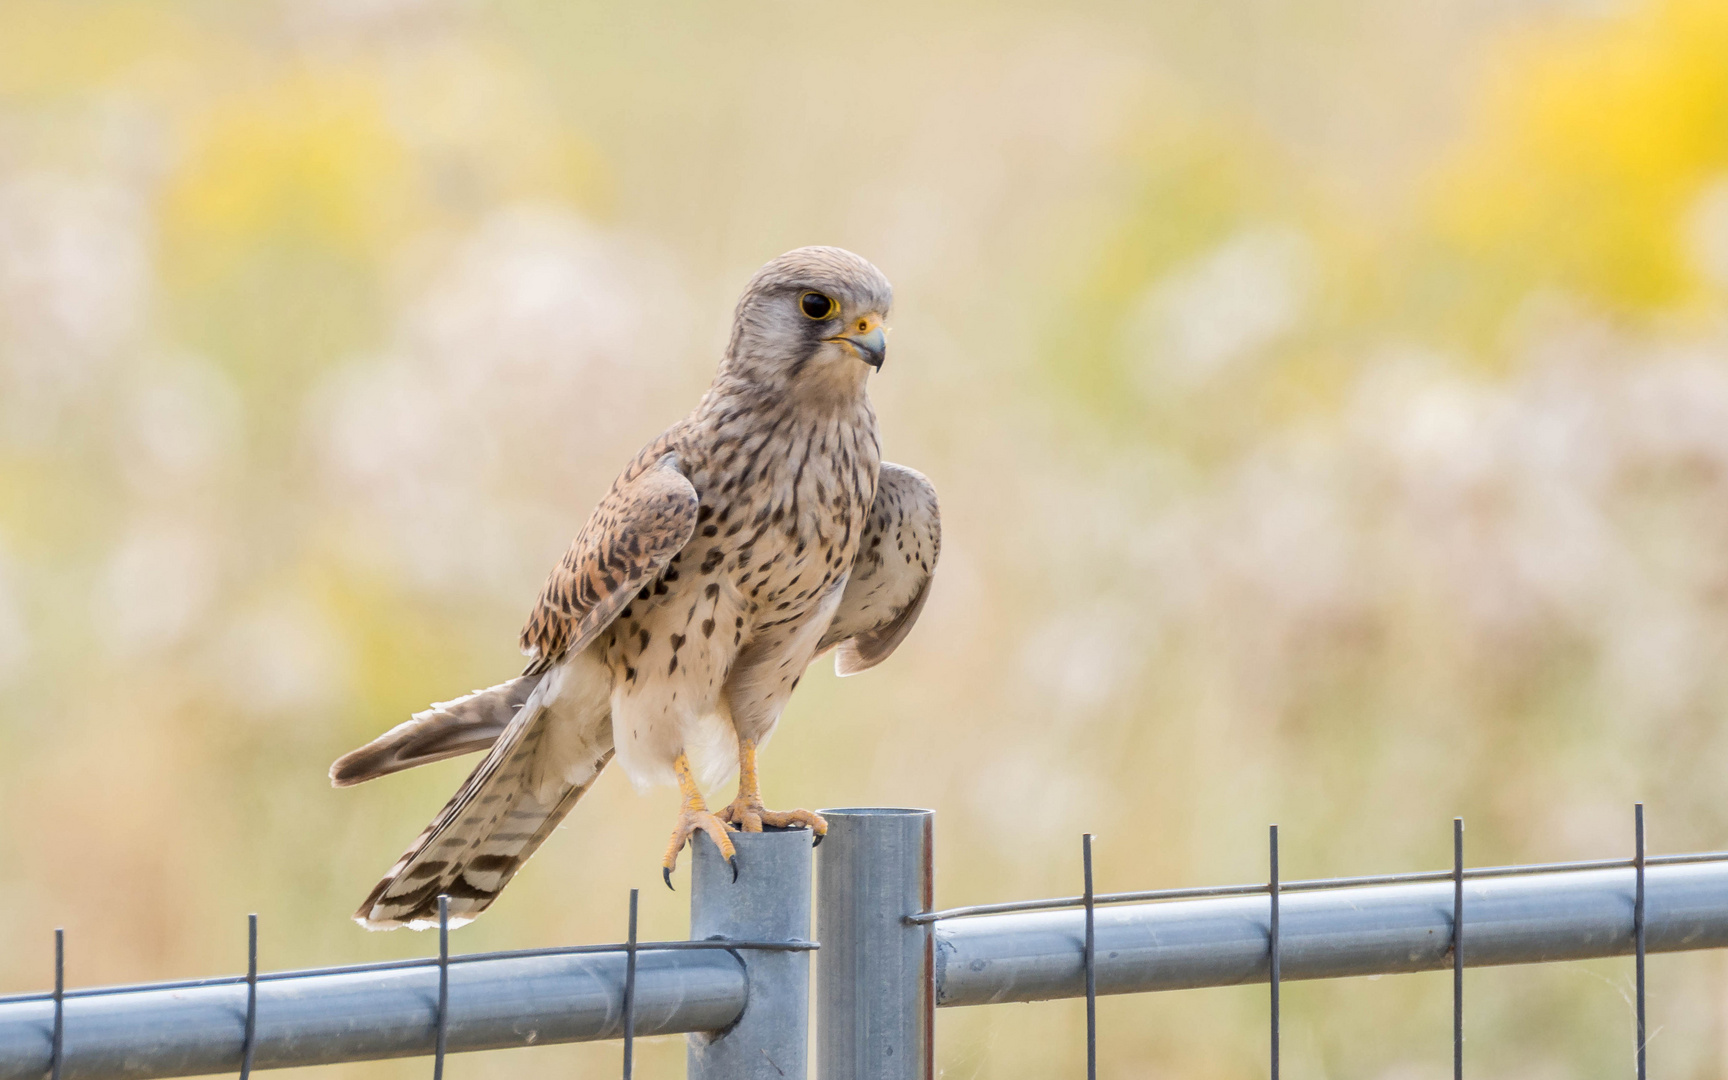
(770, 901)
(875, 979)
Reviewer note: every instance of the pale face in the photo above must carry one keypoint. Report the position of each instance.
(811, 323)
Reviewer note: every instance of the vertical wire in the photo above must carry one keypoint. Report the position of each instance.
(1458, 948)
(1638, 925)
(59, 1047)
(630, 993)
(246, 1046)
(1272, 946)
(443, 985)
(1091, 964)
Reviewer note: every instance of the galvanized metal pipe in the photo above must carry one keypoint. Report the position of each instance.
(769, 901)
(320, 1019)
(874, 980)
(1367, 931)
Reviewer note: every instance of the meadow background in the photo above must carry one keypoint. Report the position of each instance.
(1329, 403)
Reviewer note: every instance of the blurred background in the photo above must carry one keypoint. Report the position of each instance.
(1329, 403)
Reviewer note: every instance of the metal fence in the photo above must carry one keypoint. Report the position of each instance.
(741, 985)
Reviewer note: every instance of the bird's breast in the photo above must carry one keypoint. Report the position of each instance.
(781, 505)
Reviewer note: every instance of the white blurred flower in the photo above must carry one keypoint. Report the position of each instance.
(1675, 409)
(1081, 659)
(1582, 498)
(158, 582)
(1434, 429)
(1707, 232)
(281, 658)
(1656, 653)
(1221, 307)
(534, 289)
(1284, 533)
(1066, 799)
(540, 348)
(184, 425)
(74, 281)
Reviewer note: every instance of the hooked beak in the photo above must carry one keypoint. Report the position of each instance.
(872, 348)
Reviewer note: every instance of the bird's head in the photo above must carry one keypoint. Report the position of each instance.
(810, 324)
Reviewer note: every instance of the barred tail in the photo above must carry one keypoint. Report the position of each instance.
(546, 759)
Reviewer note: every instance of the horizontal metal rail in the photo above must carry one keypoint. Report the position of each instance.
(1309, 885)
(1519, 918)
(315, 1018)
(420, 962)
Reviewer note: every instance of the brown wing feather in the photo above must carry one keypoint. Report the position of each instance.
(642, 522)
(446, 729)
(890, 577)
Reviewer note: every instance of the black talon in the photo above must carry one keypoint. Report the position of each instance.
(819, 838)
(666, 872)
(733, 863)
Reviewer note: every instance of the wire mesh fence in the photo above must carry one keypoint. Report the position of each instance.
(740, 986)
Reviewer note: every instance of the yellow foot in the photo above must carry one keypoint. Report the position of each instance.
(690, 821)
(694, 815)
(749, 815)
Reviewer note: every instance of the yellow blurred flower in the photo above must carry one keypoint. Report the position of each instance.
(310, 157)
(1595, 140)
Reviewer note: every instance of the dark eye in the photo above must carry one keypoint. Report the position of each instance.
(817, 306)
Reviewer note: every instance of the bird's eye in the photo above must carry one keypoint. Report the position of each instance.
(817, 306)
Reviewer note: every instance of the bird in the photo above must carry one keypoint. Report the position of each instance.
(751, 537)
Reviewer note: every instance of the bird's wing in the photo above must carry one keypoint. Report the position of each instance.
(891, 575)
(629, 539)
(633, 534)
(447, 729)
(555, 745)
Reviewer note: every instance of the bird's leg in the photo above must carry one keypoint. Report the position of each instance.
(747, 813)
(692, 816)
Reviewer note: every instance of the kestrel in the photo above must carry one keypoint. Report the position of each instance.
(752, 536)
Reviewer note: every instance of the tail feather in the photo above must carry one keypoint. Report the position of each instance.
(447, 729)
(548, 756)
